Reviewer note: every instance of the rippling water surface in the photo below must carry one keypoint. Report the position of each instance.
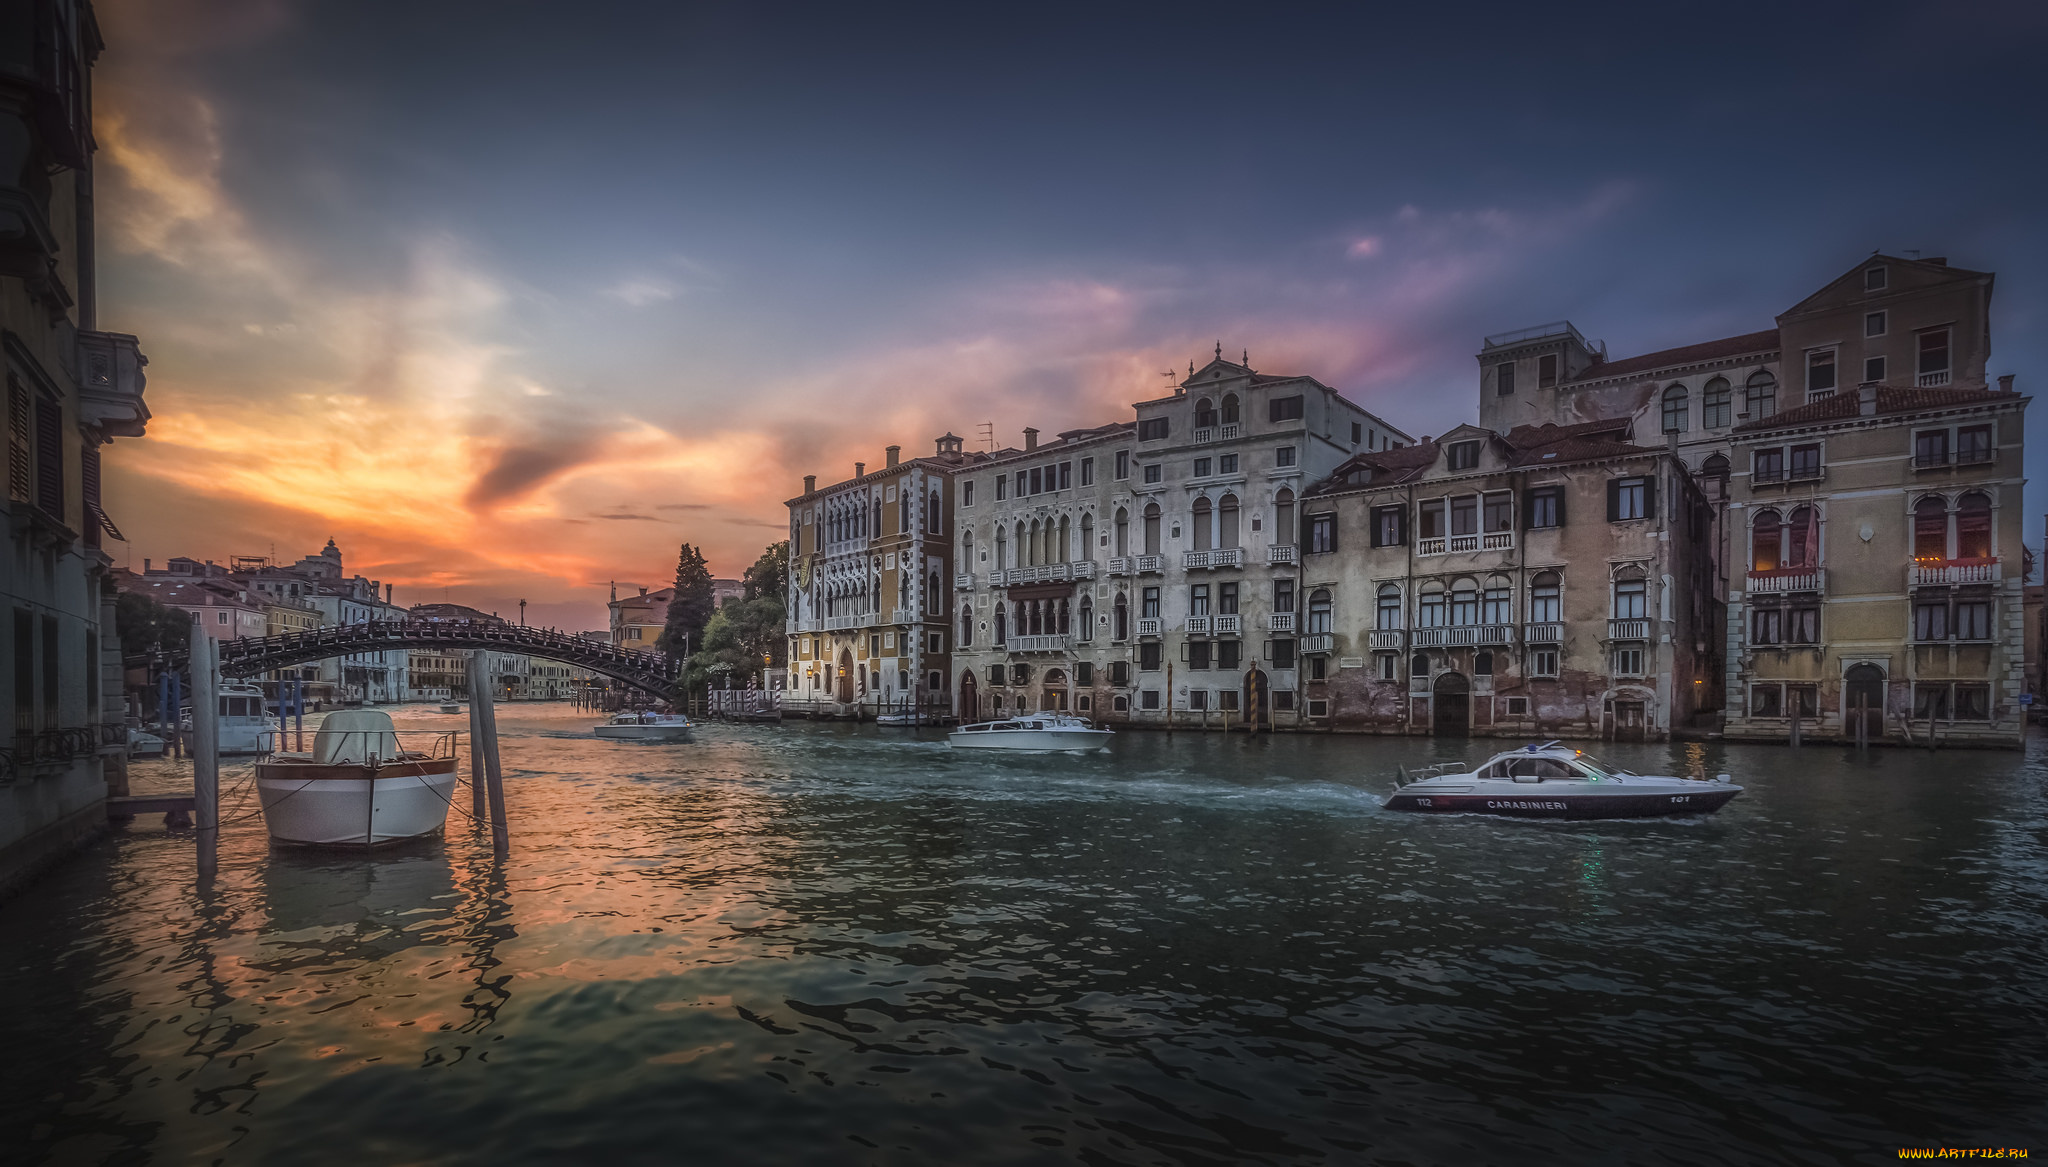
(839, 944)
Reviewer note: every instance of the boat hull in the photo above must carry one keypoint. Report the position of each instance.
(1708, 798)
(645, 733)
(355, 806)
(1034, 741)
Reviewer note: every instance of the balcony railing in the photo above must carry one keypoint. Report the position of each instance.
(964, 581)
(1229, 625)
(1229, 431)
(905, 616)
(1432, 637)
(1934, 380)
(1938, 459)
(1496, 634)
(1220, 557)
(1628, 630)
(1083, 569)
(1148, 564)
(1497, 541)
(1318, 644)
(1279, 621)
(841, 623)
(1462, 634)
(1542, 633)
(1056, 642)
(1148, 625)
(1385, 638)
(1120, 565)
(1205, 433)
(1429, 546)
(1931, 572)
(1283, 553)
(1198, 626)
(1788, 579)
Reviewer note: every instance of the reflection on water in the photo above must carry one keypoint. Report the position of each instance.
(834, 943)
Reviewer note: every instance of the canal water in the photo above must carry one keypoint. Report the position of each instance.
(840, 944)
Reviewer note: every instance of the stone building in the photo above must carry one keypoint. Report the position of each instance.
(869, 562)
(70, 390)
(1139, 571)
(1552, 581)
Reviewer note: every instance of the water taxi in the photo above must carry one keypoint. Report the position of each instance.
(245, 727)
(1032, 733)
(357, 787)
(647, 726)
(1550, 780)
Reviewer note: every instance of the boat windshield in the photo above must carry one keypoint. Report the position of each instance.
(1598, 768)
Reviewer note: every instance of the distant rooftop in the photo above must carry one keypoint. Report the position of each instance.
(1543, 331)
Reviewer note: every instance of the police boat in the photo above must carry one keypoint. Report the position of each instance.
(1551, 780)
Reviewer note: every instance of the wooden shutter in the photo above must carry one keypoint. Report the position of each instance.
(1614, 500)
(1559, 494)
(20, 444)
(1650, 497)
(50, 459)
(1375, 517)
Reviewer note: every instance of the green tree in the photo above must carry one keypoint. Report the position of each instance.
(744, 638)
(690, 609)
(770, 574)
(147, 627)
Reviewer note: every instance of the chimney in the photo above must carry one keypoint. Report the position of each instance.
(145, 567)
(810, 484)
(1030, 438)
(389, 589)
(859, 469)
(1866, 400)
(2004, 386)
(895, 454)
(643, 591)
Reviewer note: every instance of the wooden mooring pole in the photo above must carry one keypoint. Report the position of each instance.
(494, 783)
(479, 803)
(205, 658)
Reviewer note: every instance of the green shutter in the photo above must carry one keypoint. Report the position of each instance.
(1614, 500)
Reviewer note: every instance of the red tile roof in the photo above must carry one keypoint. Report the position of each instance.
(1692, 354)
(1890, 399)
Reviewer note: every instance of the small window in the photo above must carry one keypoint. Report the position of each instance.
(1874, 323)
(1767, 701)
(1123, 465)
(1039, 485)
(1820, 374)
(1628, 498)
(1973, 444)
(1121, 703)
(1387, 526)
(1463, 456)
(1628, 662)
(1518, 707)
(1543, 662)
(1714, 404)
(1152, 473)
(1002, 484)
(1284, 408)
(1120, 672)
(1805, 462)
(1087, 471)
(1546, 507)
(1201, 467)
(1504, 380)
(1388, 667)
(1767, 466)
(1084, 672)
(1283, 456)
(1873, 369)
(1148, 699)
(1357, 433)
(1322, 534)
(1066, 476)
(1675, 409)
(1318, 707)
(1226, 464)
(1152, 429)
(1546, 370)
(1875, 279)
(1934, 357)
(1760, 395)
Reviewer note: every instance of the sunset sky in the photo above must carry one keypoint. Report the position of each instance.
(511, 299)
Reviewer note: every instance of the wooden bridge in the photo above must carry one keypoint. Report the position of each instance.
(651, 672)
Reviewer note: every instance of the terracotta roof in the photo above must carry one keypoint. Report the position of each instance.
(1890, 399)
(1531, 435)
(1528, 445)
(1576, 449)
(1397, 465)
(1692, 354)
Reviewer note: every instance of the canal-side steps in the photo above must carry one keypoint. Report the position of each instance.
(177, 809)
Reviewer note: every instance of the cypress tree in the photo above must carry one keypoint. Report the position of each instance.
(689, 610)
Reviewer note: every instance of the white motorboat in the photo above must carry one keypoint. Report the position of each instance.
(451, 706)
(1551, 780)
(358, 787)
(244, 725)
(144, 744)
(1032, 733)
(647, 726)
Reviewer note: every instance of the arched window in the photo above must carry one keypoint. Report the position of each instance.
(1766, 541)
(1284, 531)
(1715, 471)
(1429, 613)
(1151, 528)
(1087, 628)
(1122, 617)
(1205, 414)
(1063, 546)
(1930, 529)
(966, 625)
(1202, 532)
(1087, 538)
(1714, 405)
(1761, 396)
(1802, 537)
(1002, 627)
(1631, 598)
(1482, 664)
(1001, 548)
(967, 550)
(1418, 665)
(1034, 550)
(1319, 610)
(1973, 526)
(1674, 410)
(1227, 518)
(933, 517)
(1390, 608)
(1465, 602)
(1545, 600)
(1122, 541)
(1024, 548)
(1498, 606)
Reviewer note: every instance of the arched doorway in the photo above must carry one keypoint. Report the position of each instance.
(1258, 699)
(846, 676)
(1863, 695)
(1453, 705)
(969, 700)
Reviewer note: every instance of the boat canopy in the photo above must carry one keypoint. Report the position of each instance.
(353, 737)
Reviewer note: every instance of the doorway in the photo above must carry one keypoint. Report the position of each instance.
(970, 705)
(1453, 705)
(1258, 699)
(1863, 695)
(1628, 721)
(846, 676)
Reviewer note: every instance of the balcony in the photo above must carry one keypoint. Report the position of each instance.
(1229, 431)
(1283, 553)
(1279, 621)
(1497, 541)
(905, 616)
(1148, 625)
(1120, 565)
(1942, 459)
(1788, 579)
(842, 623)
(1462, 635)
(1197, 626)
(964, 581)
(1048, 643)
(1429, 546)
(1221, 557)
(1628, 630)
(1934, 380)
(1936, 572)
(1149, 565)
(1318, 644)
(1387, 638)
(1464, 543)
(1205, 433)
(1542, 633)
(110, 383)
(1496, 634)
(1084, 569)
(1229, 625)
(1432, 637)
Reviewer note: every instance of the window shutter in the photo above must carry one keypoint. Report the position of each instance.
(1373, 518)
(1650, 497)
(1528, 510)
(1558, 494)
(50, 459)
(1614, 500)
(1401, 527)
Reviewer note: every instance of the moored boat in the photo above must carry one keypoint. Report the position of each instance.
(451, 706)
(647, 726)
(1550, 780)
(357, 787)
(144, 744)
(1032, 733)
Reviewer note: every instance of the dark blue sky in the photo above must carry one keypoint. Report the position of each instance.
(760, 240)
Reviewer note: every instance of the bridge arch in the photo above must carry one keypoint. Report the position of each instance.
(654, 673)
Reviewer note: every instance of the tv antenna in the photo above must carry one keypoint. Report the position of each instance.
(988, 435)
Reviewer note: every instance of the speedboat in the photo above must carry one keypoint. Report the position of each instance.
(647, 727)
(357, 787)
(451, 706)
(1550, 780)
(243, 725)
(1032, 733)
(144, 744)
